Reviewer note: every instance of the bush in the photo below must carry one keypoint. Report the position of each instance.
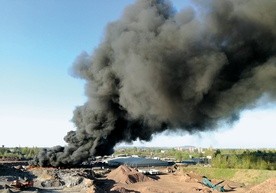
(246, 160)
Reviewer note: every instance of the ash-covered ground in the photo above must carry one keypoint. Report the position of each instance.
(37, 179)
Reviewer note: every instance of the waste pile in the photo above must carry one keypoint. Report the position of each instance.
(33, 179)
(127, 175)
(11, 173)
(268, 186)
(15, 177)
(54, 177)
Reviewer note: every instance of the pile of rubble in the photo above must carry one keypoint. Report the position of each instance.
(126, 175)
(268, 186)
(14, 179)
(10, 173)
(53, 177)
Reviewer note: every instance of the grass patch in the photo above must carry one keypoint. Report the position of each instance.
(212, 173)
(247, 176)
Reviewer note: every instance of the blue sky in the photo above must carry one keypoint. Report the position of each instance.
(39, 41)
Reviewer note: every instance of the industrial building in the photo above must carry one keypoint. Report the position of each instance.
(136, 162)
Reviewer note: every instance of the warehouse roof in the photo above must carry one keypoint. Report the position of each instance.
(136, 162)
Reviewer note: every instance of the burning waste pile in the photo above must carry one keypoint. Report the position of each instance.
(159, 69)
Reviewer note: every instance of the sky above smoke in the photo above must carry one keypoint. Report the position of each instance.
(157, 69)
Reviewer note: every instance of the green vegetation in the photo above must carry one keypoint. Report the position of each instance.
(169, 153)
(225, 158)
(246, 166)
(212, 173)
(18, 153)
(264, 160)
(249, 177)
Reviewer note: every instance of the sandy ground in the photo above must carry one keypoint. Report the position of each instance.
(53, 180)
(169, 183)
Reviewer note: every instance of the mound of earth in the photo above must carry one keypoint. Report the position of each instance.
(268, 186)
(127, 175)
(120, 189)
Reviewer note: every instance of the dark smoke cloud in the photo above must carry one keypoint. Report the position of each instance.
(158, 69)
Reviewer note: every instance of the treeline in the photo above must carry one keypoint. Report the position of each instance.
(170, 153)
(18, 153)
(246, 160)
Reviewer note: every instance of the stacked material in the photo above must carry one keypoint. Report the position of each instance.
(127, 175)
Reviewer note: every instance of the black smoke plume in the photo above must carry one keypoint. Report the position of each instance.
(159, 69)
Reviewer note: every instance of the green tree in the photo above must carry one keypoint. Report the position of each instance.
(179, 156)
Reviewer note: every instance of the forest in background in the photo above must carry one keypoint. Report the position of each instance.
(264, 159)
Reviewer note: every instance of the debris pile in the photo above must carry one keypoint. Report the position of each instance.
(53, 177)
(268, 186)
(21, 185)
(15, 177)
(11, 173)
(120, 189)
(127, 175)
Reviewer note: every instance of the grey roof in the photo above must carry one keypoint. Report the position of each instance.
(136, 162)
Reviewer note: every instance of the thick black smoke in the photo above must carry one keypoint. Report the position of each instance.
(160, 69)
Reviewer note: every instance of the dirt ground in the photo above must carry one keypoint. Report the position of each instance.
(122, 179)
(171, 183)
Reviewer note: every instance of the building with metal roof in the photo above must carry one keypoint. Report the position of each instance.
(136, 162)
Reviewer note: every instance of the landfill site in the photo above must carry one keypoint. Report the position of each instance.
(21, 177)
